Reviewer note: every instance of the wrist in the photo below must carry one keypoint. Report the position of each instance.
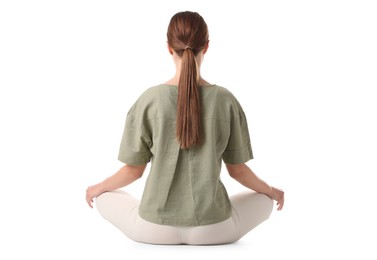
(101, 188)
(270, 192)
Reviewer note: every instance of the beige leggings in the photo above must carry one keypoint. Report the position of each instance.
(121, 209)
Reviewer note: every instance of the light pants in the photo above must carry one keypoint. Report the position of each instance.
(121, 209)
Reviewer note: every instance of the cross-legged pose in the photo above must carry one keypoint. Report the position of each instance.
(186, 128)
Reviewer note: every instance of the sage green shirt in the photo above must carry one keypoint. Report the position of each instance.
(183, 187)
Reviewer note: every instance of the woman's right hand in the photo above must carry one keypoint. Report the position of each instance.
(278, 196)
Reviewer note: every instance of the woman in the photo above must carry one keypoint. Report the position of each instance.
(186, 128)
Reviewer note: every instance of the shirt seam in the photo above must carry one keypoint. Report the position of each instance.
(233, 150)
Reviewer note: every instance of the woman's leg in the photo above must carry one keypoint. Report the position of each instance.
(121, 209)
(249, 210)
(214, 234)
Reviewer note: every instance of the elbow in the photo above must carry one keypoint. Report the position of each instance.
(136, 170)
(235, 170)
(138, 175)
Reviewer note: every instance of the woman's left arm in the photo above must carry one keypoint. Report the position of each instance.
(123, 177)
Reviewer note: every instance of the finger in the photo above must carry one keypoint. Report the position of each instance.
(89, 201)
(281, 204)
(277, 205)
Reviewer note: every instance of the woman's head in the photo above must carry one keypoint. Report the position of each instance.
(187, 30)
(187, 36)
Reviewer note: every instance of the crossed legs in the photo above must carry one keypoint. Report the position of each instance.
(121, 209)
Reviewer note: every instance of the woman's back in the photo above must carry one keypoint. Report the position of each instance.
(184, 187)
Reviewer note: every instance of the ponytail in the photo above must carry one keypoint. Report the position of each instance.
(188, 29)
(188, 105)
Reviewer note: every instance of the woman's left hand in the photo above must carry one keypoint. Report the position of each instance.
(93, 192)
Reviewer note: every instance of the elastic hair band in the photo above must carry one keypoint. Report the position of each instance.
(188, 47)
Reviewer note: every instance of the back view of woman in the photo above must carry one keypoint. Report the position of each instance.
(186, 128)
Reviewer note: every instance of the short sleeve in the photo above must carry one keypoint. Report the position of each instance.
(136, 142)
(238, 149)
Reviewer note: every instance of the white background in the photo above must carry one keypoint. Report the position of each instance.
(304, 71)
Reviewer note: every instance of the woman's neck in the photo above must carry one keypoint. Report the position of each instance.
(175, 81)
(177, 61)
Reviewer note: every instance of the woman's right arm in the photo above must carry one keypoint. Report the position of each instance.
(245, 176)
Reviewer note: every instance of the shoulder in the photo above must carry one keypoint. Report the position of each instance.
(148, 99)
(226, 97)
(150, 93)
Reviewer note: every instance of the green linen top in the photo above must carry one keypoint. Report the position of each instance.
(183, 187)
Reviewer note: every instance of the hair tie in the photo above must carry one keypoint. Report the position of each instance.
(188, 47)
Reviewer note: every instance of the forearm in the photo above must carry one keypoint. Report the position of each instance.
(245, 176)
(123, 177)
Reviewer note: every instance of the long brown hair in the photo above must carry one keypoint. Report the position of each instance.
(187, 36)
